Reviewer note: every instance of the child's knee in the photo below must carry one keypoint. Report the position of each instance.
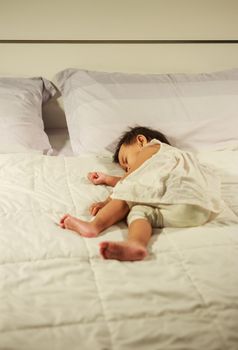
(151, 214)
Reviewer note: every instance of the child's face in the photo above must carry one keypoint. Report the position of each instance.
(128, 153)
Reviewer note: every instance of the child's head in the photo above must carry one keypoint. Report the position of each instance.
(131, 143)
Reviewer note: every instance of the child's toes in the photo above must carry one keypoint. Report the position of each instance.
(102, 248)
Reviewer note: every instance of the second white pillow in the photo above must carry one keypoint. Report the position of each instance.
(194, 111)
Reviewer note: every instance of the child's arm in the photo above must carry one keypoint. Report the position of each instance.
(98, 178)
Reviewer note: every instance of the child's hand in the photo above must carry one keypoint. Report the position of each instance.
(95, 207)
(97, 178)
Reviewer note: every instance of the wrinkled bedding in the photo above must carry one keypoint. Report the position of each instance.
(56, 292)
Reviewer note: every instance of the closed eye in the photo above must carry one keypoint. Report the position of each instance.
(127, 166)
(124, 162)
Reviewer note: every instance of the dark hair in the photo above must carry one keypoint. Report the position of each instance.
(129, 137)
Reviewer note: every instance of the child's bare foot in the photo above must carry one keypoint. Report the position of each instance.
(84, 228)
(124, 251)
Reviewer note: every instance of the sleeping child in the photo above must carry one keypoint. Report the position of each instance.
(162, 187)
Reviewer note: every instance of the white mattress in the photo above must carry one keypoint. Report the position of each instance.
(58, 293)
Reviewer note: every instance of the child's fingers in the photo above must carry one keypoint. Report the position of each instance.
(63, 218)
(91, 208)
(95, 207)
(93, 175)
(91, 211)
(94, 211)
(97, 181)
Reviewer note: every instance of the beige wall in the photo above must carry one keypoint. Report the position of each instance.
(113, 19)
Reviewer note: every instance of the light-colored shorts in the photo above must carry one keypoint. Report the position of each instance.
(169, 215)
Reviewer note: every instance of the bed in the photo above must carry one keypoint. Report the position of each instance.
(56, 289)
(57, 292)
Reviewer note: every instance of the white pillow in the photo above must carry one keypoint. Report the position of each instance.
(194, 111)
(21, 124)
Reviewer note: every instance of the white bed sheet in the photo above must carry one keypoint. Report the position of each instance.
(58, 293)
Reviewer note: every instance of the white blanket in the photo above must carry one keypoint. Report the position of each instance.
(56, 292)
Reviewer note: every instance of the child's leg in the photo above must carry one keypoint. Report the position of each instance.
(114, 211)
(134, 248)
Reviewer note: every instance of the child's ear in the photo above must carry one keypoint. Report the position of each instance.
(141, 140)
